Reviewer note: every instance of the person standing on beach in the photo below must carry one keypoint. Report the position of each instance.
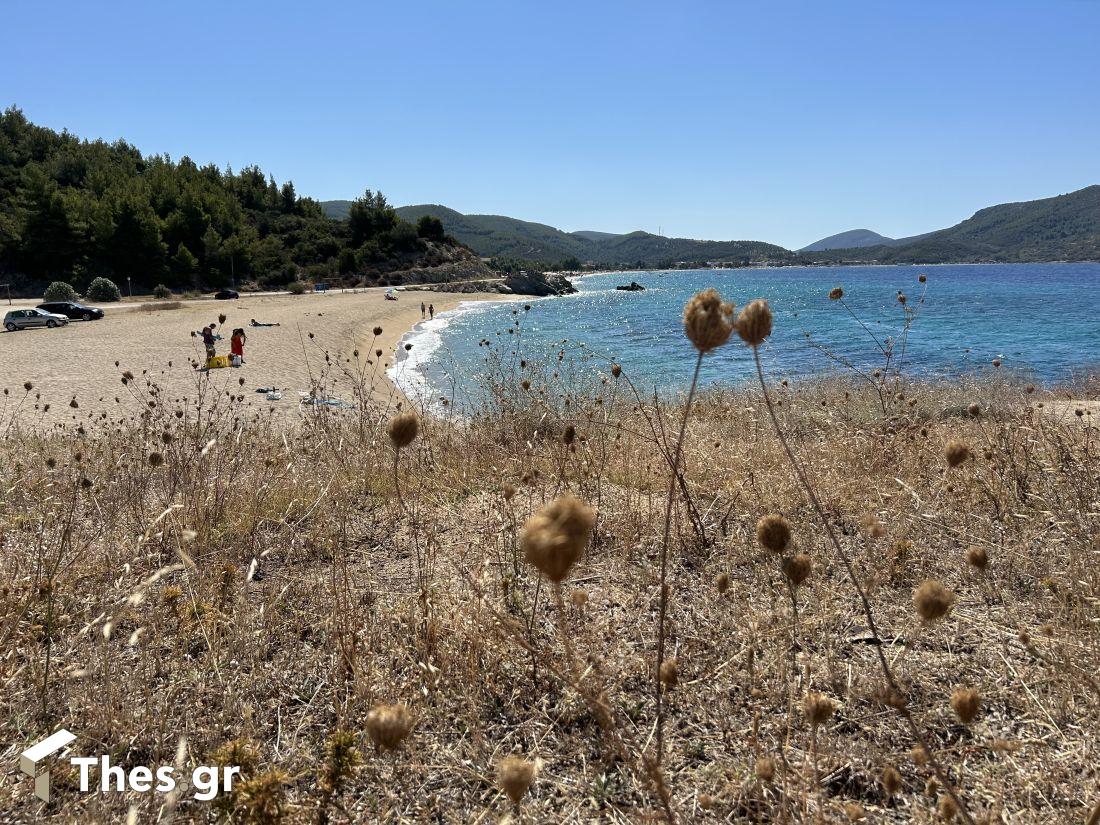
(236, 343)
(431, 310)
(422, 309)
(208, 340)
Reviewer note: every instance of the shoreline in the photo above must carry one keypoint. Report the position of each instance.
(405, 373)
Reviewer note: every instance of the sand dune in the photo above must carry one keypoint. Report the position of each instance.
(78, 361)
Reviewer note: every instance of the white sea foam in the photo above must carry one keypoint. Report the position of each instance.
(409, 370)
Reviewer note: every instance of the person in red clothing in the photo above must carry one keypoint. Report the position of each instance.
(236, 343)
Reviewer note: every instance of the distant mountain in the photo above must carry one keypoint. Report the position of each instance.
(336, 209)
(848, 240)
(500, 236)
(1062, 228)
(594, 236)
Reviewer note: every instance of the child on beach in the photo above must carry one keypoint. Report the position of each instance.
(208, 339)
(236, 344)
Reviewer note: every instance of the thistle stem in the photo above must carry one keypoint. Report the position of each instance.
(663, 613)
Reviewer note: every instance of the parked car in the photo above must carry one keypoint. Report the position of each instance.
(72, 310)
(226, 295)
(24, 318)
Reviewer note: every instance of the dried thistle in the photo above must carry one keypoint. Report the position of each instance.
(388, 726)
(754, 323)
(797, 568)
(722, 582)
(670, 673)
(554, 537)
(891, 780)
(774, 533)
(977, 557)
(836, 293)
(956, 453)
(403, 429)
(515, 775)
(708, 320)
(932, 600)
(967, 703)
(817, 708)
(948, 808)
(765, 768)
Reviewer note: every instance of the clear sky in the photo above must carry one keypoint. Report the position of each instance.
(767, 120)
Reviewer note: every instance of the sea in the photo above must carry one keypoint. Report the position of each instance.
(1039, 322)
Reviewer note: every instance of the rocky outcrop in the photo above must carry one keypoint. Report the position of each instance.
(538, 283)
(633, 286)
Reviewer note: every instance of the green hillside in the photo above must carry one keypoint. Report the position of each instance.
(502, 237)
(73, 210)
(498, 236)
(1062, 228)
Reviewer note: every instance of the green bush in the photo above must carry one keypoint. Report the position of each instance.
(162, 292)
(60, 291)
(104, 291)
(296, 288)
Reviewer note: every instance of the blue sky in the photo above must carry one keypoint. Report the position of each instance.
(775, 121)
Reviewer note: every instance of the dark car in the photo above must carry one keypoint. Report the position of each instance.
(73, 310)
(226, 295)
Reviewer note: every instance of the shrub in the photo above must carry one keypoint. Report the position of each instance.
(104, 290)
(296, 287)
(162, 292)
(60, 291)
(430, 228)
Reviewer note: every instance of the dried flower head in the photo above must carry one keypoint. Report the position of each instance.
(948, 808)
(774, 533)
(817, 708)
(377, 331)
(570, 434)
(722, 582)
(932, 600)
(966, 702)
(754, 322)
(388, 726)
(974, 409)
(797, 568)
(708, 320)
(156, 459)
(977, 557)
(765, 768)
(670, 673)
(854, 812)
(956, 452)
(508, 490)
(616, 370)
(554, 537)
(403, 429)
(836, 293)
(515, 775)
(891, 780)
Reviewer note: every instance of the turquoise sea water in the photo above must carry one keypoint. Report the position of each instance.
(1041, 320)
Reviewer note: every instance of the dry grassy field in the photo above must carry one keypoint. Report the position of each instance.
(857, 599)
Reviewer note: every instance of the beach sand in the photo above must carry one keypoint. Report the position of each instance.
(78, 361)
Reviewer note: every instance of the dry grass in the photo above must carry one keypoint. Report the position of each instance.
(346, 612)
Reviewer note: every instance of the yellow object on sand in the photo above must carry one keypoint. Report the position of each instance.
(217, 362)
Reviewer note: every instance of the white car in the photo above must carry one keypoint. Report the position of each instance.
(24, 318)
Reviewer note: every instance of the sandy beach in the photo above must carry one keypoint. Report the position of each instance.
(85, 361)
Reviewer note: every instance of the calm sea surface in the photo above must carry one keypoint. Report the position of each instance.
(1041, 320)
